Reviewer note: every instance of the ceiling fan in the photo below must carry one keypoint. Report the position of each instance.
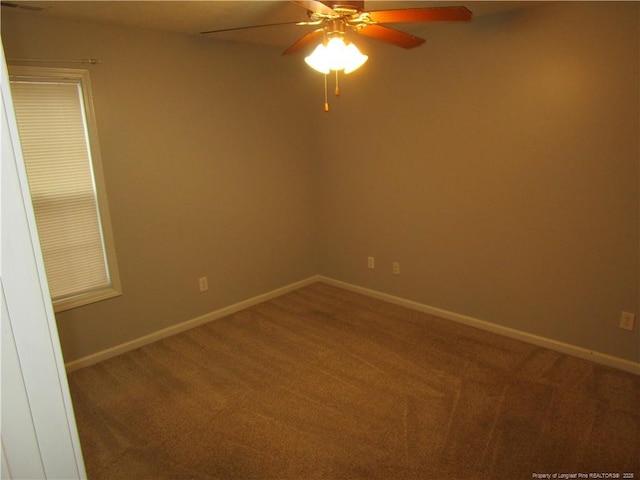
(335, 18)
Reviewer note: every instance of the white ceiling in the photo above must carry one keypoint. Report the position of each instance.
(193, 17)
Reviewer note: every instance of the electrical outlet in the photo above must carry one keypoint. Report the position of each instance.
(627, 320)
(396, 268)
(204, 285)
(371, 262)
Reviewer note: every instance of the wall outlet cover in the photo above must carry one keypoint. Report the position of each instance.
(627, 319)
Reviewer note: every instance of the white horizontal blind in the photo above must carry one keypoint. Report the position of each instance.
(54, 139)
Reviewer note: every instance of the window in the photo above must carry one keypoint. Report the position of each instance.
(60, 148)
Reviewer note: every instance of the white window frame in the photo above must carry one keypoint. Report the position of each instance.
(81, 76)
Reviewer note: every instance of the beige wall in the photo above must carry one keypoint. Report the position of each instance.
(498, 163)
(206, 167)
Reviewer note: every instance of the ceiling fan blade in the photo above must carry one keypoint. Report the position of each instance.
(248, 27)
(304, 41)
(390, 35)
(433, 14)
(315, 7)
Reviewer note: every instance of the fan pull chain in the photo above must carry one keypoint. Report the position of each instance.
(326, 101)
(337, 86)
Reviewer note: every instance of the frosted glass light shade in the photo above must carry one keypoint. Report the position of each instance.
(318, 59)
(336, 56)
(353, 59)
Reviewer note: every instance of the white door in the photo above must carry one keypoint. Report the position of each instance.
(39, 434)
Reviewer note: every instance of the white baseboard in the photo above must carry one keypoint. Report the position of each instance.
(181, 327)
(597, 357)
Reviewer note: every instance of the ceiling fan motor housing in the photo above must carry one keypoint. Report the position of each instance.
(356, 6)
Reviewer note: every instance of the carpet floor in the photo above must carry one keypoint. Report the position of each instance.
(323, 383)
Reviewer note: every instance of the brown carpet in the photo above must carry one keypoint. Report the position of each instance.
(322, 383)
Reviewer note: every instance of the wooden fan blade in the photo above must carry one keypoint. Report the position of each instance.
(390, 35)
(434, 14)
(248, 27)
(315, 7)
(304, 41)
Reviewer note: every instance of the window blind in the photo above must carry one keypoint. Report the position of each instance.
(53, 133)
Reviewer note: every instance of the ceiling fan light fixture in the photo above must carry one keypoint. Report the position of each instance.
(336, 55)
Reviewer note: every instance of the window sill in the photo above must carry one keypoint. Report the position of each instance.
(85, 299)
